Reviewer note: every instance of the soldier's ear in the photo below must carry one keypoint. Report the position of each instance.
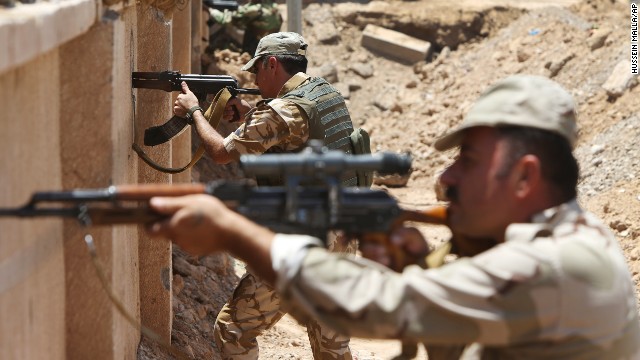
(273, 62)
(526, 175)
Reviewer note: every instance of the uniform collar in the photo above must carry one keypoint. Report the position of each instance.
(544, 223)
(295, 81)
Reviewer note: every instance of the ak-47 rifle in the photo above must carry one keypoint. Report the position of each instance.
(312, 201)
(200, 85)
(221, 4)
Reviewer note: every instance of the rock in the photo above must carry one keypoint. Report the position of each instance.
(443, 55)
(327, 71)
(327, 33)
(620, 79)
(555, 66)
(386, 102)
(343, 89)
(597, 149)
(394, 44)
(201, 311)
(182, 267)
(178, 284)
(354, 86)
(393, 180)
(363, 70)
(598, 38)
(523, 54)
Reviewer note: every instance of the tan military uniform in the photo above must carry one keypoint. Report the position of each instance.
(277, 125)
(558, 288)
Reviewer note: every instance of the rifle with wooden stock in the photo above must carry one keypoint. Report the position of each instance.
(312, 201)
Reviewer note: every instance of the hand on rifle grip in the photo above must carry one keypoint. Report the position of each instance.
(232, 110)
(236, 114)
(402, 247)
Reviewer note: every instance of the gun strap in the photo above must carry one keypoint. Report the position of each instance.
(213, 115)
(160, 134)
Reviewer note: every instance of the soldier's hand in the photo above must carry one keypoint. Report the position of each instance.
(196, 223)
(235, 110)
(185, 101)
(404, 246)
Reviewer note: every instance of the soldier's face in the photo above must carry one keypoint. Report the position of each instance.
(480, 197)
(265, 78)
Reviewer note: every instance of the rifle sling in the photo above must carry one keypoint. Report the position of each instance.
(160, 134)
(213, 115)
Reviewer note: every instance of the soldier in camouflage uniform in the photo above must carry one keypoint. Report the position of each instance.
(257, 18)
(555, 284)
(296, 108)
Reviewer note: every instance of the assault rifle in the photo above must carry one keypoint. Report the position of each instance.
(221, 4)
(200, 85)
(312, 201)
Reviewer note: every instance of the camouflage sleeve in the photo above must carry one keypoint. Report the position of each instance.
(280, 124)
(558, 288)
(461, 302)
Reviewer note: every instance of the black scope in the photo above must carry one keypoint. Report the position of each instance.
(313, 162)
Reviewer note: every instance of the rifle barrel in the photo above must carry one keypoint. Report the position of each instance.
(143, 192)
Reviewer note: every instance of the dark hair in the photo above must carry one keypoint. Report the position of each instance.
(292, 64)
(558, 165)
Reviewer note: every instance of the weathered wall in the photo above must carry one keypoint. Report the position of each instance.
(153, 53)
(181, 55)
(32, 276)
(68, 122)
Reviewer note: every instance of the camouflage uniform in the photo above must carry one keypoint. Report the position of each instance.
(557, 288)
(305, 108)
(256, 18)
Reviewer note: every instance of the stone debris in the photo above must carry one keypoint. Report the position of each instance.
(395, 44)
(620, 79)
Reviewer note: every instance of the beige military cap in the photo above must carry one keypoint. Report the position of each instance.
(278, 44)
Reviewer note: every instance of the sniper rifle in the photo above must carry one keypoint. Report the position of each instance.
(312, 201)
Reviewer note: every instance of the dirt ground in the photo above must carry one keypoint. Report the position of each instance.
(405, 107)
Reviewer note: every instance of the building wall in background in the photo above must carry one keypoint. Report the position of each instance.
(68, 122)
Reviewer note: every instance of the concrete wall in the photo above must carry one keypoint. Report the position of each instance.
(68, 122)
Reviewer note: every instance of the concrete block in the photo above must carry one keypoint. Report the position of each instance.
(29, 31)
(395, 44)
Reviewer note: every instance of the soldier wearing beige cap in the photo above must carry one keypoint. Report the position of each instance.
(552, 284)
(297, 108)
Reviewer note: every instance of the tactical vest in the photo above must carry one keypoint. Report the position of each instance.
(328, 116)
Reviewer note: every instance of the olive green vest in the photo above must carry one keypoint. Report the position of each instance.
(328, 116)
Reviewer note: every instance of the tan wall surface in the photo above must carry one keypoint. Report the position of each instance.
(125, 263)
(181, 55)
(32, 291)
(68, 122)
(89, 87)
(152, 108)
